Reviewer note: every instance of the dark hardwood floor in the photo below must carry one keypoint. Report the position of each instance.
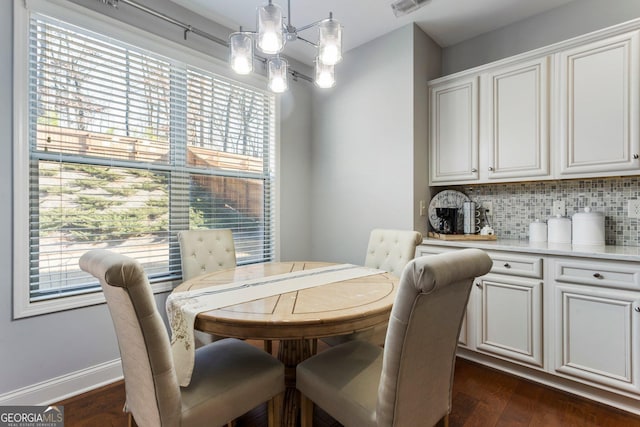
(482, 397)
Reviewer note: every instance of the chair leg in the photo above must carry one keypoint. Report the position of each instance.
(131, 422)
(306, 411)
(275, 407)
(268, 347)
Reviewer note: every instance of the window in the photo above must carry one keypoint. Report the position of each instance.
(126, 147)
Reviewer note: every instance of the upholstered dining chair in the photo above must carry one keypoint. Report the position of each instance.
(206, 250)
(391, 250)
(408, 382)
(388, 250)
(230, 376)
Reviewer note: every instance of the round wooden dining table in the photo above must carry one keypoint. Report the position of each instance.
(296, 318)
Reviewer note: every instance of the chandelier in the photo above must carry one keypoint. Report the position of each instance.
(270, 38)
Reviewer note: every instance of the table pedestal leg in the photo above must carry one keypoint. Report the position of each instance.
(292, 352)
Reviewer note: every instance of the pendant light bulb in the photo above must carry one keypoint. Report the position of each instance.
(241, 52)
(270, 25)
(277, 75)
(325, 75)
(330, 41)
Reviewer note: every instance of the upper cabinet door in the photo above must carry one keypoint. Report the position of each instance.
(599, 107)
(454, 131)
(516, 121)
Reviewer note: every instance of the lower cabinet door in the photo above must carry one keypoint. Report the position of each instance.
(510, 319)
(597, 335)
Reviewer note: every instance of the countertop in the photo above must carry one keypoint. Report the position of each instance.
(617, 253)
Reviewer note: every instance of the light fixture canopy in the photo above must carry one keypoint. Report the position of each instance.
(404, 7)
(270, 38)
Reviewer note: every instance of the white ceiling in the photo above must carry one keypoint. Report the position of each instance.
(446, 21)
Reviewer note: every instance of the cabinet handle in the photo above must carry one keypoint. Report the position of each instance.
(490, 168)
(474, 170)
(507, 265)
(598, 276)
(637, 309)
(635, 156)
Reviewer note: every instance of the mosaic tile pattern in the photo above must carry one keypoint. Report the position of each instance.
(515, 205)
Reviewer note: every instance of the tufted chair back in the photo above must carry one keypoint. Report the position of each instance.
(204, 251)
(409, 382)
(230, 377)
(391, 250)
(153, 394)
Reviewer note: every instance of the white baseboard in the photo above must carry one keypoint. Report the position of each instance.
(65, 386)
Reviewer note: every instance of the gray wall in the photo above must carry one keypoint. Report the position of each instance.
(366, 144)
(40, 348)
(427, 65)
(571, 20)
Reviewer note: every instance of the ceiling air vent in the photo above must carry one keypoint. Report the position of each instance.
(403, 7)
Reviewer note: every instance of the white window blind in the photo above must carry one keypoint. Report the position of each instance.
(127, 147)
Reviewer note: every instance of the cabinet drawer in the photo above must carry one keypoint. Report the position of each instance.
(624, 276)
(513, 265)
(423, 250)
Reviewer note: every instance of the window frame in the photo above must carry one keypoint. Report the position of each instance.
(78, 15)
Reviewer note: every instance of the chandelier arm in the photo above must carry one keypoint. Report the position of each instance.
(188, 28)
(307, 41)
(297, 75)
(313, 24)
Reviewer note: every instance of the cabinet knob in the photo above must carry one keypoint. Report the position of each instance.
(637, 309)
(474, 170)
(490, 168)
(598, 276)
(478, 285)
(635, 156)
(507, 265)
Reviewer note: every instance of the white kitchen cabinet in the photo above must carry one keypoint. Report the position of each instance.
(509, 309)
(510, 318)
(598, 103)
(570, 110)
(515, 121)
(504, 315)
(454, 131)
(596, 328)
(569, 321)
(512, 140)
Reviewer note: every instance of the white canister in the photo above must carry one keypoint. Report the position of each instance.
(588, 228)
(538, 231)
(559, 229)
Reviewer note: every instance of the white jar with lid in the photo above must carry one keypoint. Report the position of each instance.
(538, 231)
(559, 229)
(588, 228)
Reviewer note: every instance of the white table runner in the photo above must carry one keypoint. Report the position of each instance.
(183, 307)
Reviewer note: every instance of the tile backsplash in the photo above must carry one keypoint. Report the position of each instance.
(515, 205)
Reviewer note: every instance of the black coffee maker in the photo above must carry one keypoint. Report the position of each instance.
(447, 220)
